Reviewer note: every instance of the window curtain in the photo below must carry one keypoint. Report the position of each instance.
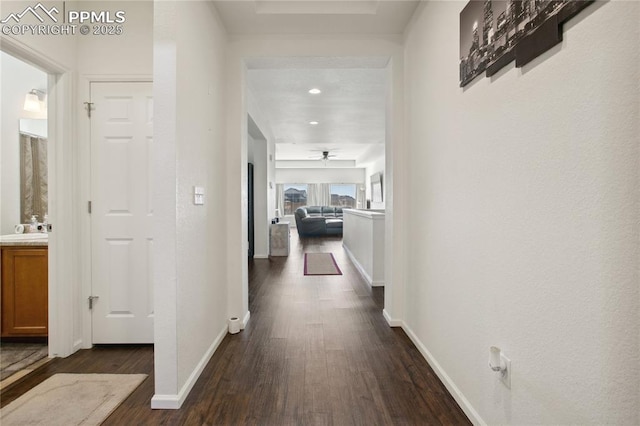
(319, 194)
(33, 178)
(280, 198)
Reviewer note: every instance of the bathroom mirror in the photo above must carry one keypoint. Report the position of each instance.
(33, 169)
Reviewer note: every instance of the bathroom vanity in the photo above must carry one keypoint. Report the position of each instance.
(24, 285)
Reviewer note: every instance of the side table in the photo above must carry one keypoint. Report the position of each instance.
(279, 239)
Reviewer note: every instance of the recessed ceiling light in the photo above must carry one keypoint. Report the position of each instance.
(313, 123)
(315, 91)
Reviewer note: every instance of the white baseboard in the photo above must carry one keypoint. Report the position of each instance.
(174, 402)
(360, 269)
(462, 401)
(260, 256)
(392, 322)
(165, 402)
(245, 320)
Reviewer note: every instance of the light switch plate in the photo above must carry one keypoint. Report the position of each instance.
(198, 195)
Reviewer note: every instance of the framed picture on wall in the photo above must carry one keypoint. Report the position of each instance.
(475, 32)
(376, 187)
(495, 32)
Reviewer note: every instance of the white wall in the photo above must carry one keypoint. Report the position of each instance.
(262, 191)
(315, 164)
(130, 53)
(266, 206)
(259, 157)
(271, 178)
(250, 143)
(17, 79)
(524, 218)
(377, 166)
(328, 175)
(190, 271)
(363, 240)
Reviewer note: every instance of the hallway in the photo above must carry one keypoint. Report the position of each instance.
(316, 351)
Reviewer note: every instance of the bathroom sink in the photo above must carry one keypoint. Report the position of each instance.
(36, 236)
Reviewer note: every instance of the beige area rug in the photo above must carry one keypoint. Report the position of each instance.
(71, 399)
(320, 264)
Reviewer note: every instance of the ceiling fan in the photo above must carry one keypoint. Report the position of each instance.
(325, 156)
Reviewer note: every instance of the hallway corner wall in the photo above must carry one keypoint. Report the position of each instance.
(524, 218)
(190, 271)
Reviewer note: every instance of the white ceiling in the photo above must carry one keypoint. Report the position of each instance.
(350, 111)
(315, 16)
(351, 108)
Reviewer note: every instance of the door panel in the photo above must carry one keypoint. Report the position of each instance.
(121, 154)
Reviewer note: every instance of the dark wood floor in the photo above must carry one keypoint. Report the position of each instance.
(317, 350)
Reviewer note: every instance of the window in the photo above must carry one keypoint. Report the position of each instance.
(343, 195)
(295, 195)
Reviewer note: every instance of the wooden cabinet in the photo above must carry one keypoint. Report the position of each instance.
(24, 291)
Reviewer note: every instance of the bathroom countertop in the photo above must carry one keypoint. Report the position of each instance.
(32, 240)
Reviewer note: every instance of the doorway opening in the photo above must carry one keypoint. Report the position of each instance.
(23, 216)
(326, 119)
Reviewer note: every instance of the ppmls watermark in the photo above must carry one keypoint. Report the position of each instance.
(56, 20)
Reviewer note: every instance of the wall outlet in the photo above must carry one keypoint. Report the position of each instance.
(505, 375)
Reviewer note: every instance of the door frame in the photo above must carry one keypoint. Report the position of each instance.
(61, 278)
(84, 164)
(238, 63)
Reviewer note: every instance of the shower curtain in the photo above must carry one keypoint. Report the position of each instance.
(33, 177)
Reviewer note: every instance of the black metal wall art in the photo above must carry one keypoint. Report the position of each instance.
(496, 32)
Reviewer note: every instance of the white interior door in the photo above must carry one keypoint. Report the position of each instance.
(121, 212)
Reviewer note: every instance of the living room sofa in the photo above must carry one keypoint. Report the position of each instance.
(316, 221)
